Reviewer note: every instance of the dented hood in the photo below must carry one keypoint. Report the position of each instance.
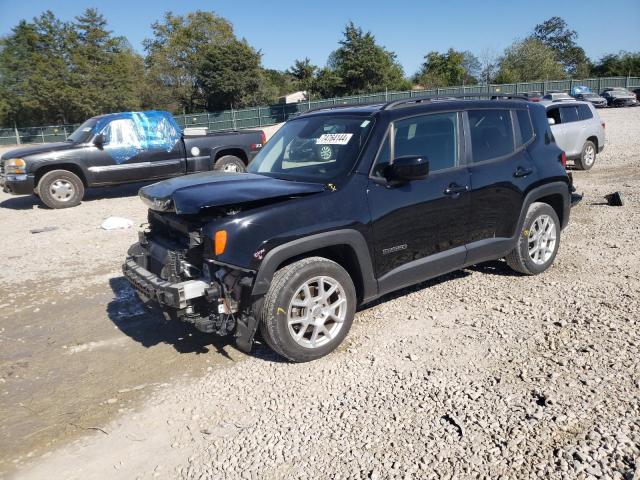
(191, 193)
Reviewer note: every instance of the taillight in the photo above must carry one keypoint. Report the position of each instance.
(563, 159)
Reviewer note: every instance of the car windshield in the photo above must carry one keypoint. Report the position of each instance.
(84, 132)
(313, 149)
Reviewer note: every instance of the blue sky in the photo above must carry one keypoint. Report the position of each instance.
(286, 30)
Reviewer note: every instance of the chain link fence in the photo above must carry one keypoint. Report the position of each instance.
(257, 117)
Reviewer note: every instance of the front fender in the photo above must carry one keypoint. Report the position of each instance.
(294, 248)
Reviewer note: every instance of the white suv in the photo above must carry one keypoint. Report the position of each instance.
(577, 129)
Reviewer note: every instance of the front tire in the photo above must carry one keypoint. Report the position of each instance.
(60, 189)
(230, 163)
(587, 157)
(538, 242)
(308, 309)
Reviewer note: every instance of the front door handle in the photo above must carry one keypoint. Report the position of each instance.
(522, 172)
(455, 189)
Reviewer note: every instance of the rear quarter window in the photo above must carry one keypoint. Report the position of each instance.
(584, 112)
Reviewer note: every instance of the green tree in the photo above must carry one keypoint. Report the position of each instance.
(231, 76)
(327, 83)
(364, 66)
(556, 34)
(279, 83)
(177, 50)
(303, 71)
(34, 71)
(529, 60)
(447, 69)
(621, 64)
(107, 73)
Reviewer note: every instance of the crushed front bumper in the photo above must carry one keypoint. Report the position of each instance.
(150, 287)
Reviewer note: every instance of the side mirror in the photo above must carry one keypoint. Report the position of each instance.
(551, 121)
(98, 140)
(407, 168)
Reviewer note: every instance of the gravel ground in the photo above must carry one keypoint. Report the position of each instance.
(478, 374)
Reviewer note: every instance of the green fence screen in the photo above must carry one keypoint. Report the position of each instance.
(256, 117)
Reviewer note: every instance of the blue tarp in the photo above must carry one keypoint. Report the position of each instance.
(580, 89)
(129, 133)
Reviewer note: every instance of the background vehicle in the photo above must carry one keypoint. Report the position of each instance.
(293, 246)
(532, 96)
(619, 97)
(585, 94)
(558, 97)
(578, 130)
(636, 91)
(119, 148)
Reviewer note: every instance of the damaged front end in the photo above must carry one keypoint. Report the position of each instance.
(172, 265)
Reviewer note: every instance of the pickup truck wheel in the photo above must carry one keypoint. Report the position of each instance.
(539, 241)
(230, 163)
(60, 189)
(308, 310)
(587, 157)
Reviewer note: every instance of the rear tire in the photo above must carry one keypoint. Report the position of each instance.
(230, 163)
(60, 189)
(308, 309)
(538, 242)
(587, 157)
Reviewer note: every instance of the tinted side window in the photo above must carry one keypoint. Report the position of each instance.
(569, 114)
(434, 137)
(584, 112)
(526, 129)
(491, 134)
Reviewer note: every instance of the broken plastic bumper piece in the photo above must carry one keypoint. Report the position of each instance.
(150, 287)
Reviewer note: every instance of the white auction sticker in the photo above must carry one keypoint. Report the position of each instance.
(334, 139)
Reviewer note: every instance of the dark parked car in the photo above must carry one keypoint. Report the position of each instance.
(120, 148)
(636, 91)
(394, 194)
(619, 97)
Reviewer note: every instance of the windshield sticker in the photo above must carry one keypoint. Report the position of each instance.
(334, 139)
(365, 123)
(86, 129)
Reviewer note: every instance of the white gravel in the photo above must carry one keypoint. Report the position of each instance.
(479, 374)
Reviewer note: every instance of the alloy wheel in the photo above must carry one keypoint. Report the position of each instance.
(317, 312)
(542, 239)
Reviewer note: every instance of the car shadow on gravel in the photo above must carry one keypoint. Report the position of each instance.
(495, 267)
(148, 326)
(28, 202)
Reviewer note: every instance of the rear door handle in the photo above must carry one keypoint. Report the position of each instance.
(455, 189)
(522, 172)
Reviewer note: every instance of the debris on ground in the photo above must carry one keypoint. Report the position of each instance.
(614, 199)
(44, 229)
(116, 223)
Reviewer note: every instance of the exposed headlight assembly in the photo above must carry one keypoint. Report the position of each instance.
(15, 166)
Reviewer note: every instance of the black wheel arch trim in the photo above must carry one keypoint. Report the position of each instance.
(333, 238)
(542, 191)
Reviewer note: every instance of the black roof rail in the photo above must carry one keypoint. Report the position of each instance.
(342, 105)
(429, 98)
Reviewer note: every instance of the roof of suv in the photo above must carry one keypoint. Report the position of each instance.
(418, 104)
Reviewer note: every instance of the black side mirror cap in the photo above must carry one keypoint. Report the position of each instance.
(98, 140)
(407, 168)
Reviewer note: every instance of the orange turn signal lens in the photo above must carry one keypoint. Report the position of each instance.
(220, 242)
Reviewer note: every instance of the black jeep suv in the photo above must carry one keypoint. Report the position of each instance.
(344, 205)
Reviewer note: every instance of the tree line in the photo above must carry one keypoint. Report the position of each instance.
(53, 71)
